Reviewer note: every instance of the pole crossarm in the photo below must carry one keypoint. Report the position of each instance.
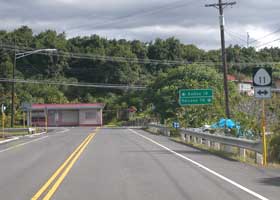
(216, 5)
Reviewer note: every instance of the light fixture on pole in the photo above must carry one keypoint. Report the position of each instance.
(16, 57)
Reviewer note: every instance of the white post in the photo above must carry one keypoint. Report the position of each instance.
(217, 146)
(227, 148)
(259, 158)
(188, 138)
(242, 153)
(208, 142)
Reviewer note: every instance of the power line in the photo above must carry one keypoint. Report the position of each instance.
(265, 36)
(104, 58)
(278, 39)
(129, 60)
(237, 35)
(77, 84)
(235, 38)
(141, 13)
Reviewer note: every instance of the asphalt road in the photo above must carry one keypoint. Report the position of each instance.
(120, 164)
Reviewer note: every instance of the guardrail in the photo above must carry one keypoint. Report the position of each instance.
(219, 142)
(13, 130)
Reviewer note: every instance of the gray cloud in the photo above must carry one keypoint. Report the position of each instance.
(146, 20)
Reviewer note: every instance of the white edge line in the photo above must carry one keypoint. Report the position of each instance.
(204, 167)
(22, 144)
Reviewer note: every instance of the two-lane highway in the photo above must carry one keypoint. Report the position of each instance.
(26, 164)
(126, 164)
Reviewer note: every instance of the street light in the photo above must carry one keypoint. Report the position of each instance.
(16, 57)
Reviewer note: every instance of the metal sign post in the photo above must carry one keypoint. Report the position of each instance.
(263, 134)
(46, 119)
(3, 108)
(262, 82)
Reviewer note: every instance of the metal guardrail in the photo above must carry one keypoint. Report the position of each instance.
(13, 130)
(254, 145)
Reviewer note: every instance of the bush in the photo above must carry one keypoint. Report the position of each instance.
(174, 132)
(274, 148)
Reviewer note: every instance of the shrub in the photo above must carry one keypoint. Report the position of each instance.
(274, 147)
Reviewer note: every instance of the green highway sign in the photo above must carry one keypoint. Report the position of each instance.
(195, 97)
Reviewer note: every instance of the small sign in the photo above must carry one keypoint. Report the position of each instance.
(195, 96)
(25, 106)
(262, 77)
(262, 92)
(176, 125)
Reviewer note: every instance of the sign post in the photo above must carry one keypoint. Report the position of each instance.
(46, 119)
(3, 108)
(262, 82)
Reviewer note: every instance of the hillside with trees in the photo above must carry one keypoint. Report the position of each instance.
(162, 65)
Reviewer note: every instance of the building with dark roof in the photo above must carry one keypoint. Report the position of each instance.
(65, 114)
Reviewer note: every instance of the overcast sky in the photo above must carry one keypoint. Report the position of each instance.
(145, 20)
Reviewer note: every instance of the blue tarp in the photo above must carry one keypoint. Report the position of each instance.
(228, 123)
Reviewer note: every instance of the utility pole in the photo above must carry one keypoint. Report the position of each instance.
(13, 88)
(220, 6)
(248, 39)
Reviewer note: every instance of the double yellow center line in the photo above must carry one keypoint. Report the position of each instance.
(59, 175)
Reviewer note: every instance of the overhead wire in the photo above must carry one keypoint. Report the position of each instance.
(78, 84)
(235, 38)
(236, 35)
(169, 6)
(269, 42)
(265, 36)
(73, 55)
(101, 57)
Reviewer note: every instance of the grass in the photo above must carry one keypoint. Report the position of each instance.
(149, 131)
(19, 133)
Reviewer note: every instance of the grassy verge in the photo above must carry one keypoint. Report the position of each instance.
(9, 134)
(149, 131)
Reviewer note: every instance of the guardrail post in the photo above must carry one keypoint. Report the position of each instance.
(217, 146)
(208, 143)
(200, 140)
(188, 138)
(242, 153)
(227, 148)
(194, 139)
(183, 137)
(259, 158)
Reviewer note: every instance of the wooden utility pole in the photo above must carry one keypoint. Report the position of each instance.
(220, 6)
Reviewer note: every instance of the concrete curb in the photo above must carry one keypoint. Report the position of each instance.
(18, 137)
(36, 134)
(9, 140)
